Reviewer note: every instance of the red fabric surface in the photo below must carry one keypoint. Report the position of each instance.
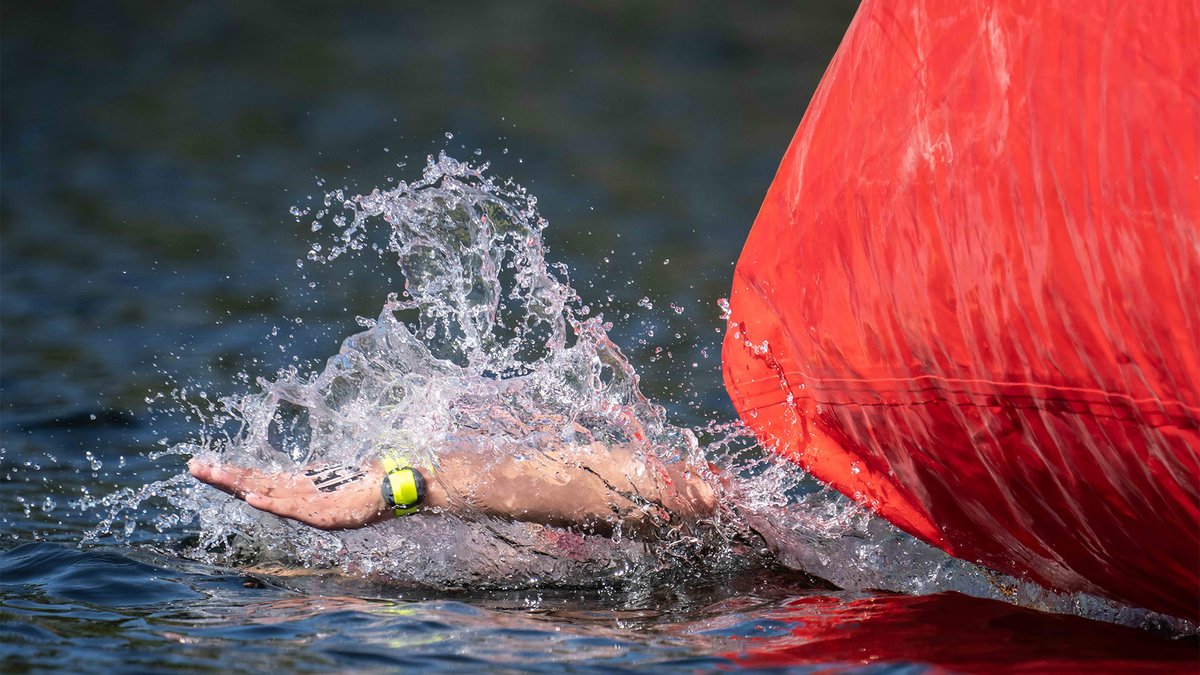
(971, 299)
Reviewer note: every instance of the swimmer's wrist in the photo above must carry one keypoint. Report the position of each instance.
(436, 498)
(432, 494)
(403, 488)
(389, 505)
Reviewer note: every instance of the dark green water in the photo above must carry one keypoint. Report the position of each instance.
(150, 156)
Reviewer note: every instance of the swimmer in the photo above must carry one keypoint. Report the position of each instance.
(590, 488)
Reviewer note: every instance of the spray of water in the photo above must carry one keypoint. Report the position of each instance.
(484, 338)
(487, 338)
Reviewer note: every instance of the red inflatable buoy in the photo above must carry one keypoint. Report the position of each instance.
(971, 299)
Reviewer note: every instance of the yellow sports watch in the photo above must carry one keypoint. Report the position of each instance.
(403, 486)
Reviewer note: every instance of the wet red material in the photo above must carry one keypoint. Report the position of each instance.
(971, 299)
(958, 633)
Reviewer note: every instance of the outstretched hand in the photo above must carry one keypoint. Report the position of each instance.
(331, 498)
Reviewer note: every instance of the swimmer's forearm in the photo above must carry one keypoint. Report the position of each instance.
(592, 488)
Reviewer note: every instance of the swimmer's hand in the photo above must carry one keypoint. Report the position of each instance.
(319, 497)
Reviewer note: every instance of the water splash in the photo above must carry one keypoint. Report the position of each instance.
(486, 337)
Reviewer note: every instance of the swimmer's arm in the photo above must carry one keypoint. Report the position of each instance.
(591, 488)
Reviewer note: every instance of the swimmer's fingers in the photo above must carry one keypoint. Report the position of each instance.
(284, 508)
(220, 477)
(239, 481)
(207, 472)
(350, 510)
